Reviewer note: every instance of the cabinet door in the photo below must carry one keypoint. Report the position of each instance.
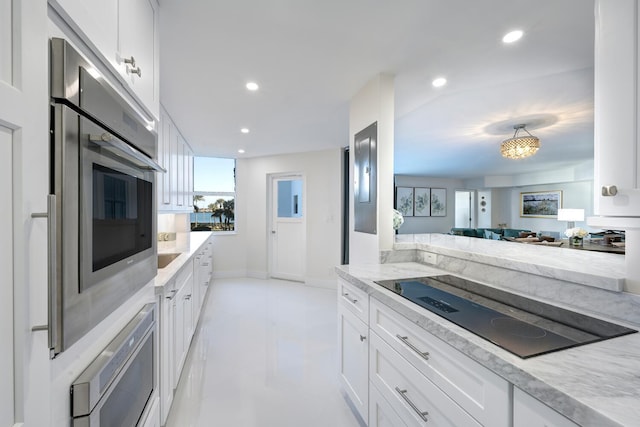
(616, 108)
(353, 352)
(167, 343)
(96, 19)
(530, 412)
(180, 175)
(164, 159)
(137, 39)
(178, 336)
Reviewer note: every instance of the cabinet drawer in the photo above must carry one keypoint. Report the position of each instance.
(416, 400)
(381, 414)
(481, 393)
(354, 300)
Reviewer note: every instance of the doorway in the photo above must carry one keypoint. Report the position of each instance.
(464, 209)
(287, 231)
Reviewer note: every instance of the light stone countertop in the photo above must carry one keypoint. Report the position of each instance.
(596, 269)
(196, 240)
(595, 384)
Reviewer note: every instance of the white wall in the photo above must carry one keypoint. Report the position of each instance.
(374, 103)
(413, 225)
(246, 252)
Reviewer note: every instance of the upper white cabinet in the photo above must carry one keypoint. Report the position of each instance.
(175, 187)
(124, 34)
(138, 50)
(616, 109)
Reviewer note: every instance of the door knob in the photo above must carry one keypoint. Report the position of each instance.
(273, 231)
(609, 190)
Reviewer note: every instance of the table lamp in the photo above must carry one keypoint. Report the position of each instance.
(571, 215)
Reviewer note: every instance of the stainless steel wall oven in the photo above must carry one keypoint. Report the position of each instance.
(102, 217)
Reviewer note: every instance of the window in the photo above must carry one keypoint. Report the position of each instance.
(214, 189)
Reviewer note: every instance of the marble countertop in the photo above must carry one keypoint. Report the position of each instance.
(196, 240)
(598, 269)
(596, 384)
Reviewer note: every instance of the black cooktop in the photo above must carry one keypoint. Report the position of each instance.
(523, 326)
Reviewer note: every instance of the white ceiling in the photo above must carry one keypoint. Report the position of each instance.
(311, 56)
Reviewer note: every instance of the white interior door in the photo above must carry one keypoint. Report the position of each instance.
(464, 209)
(288, 227)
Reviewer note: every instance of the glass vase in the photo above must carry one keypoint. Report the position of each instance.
(575, 241)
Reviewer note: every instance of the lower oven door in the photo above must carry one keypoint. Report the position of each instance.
(116, 388)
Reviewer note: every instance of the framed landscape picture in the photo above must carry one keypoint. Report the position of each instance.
(422, 201)
(540, 204)
(438, 202)
(404, 200)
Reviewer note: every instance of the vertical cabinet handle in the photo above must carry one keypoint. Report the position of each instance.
(405, 340)
(421, 414)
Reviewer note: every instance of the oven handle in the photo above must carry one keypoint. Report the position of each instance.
(126, 149)
(52, 277)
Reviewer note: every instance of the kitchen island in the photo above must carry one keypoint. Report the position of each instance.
(595, 384)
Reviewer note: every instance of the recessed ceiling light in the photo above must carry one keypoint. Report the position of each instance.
(439, 82)
(241, 151)
(513, 36)
(252, 86)
(244, 130)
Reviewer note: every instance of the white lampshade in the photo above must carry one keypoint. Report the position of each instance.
(571, 215)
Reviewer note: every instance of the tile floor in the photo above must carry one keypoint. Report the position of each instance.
(264, 355)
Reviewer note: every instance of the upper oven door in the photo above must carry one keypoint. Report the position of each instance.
(117, 198)
(104, 227)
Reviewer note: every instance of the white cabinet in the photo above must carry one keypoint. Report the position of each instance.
(617, 157)
(477, 390)
(183, 319)
(202, 271)
(411, 376)
(530, 412)
(124, 34)
(167, 339)
(381, 414)
(138, 50)
(353, 347)
(175, 187)
(413, 397)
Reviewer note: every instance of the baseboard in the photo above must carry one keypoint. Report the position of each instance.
(257, 274)
(228, 274)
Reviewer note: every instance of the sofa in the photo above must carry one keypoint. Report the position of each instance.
(491, 233)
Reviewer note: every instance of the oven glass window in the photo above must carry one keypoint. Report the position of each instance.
(122, 216)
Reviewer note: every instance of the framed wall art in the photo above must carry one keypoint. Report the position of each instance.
(421, 201)
(404, 200)
(540, 204)
(438, 202)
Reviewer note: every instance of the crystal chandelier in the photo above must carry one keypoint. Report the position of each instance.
(520, 147)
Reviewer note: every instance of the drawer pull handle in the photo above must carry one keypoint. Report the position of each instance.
(346, 295)
(421, 414)
(424, 355)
